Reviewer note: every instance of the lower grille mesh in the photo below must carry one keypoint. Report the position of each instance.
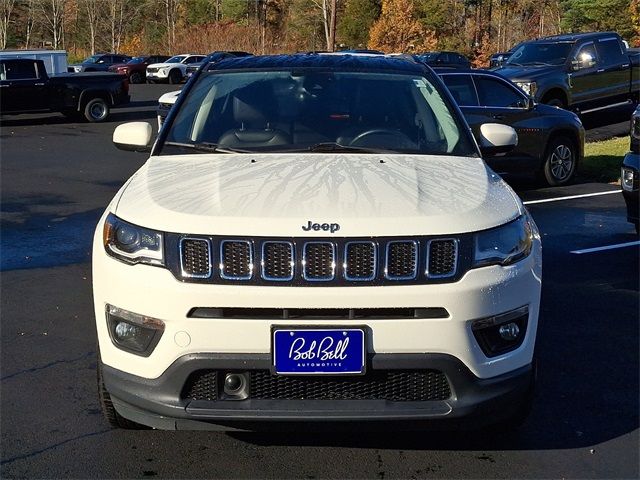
(389, 385)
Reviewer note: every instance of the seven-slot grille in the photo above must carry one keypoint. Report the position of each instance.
(317, 262)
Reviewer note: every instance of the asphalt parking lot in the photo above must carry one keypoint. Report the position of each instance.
(57, 177)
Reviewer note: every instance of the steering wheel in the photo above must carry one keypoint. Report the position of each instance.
(399, 139)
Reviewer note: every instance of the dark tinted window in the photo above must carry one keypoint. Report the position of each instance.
(20, 70)
(462, 89)
(610, 50)
(118, 59)
(496, 93)
(589, 49)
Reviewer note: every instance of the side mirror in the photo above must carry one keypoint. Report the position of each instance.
(496, 138)
(585, 60)
(133, 136)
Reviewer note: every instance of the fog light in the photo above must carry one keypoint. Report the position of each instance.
(509, 331)
(236, 386)
(501, 333)
(133, 332)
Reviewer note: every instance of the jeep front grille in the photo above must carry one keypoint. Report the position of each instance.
(316, 262)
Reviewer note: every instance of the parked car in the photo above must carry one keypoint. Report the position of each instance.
(550, 140)
(98, 63)
(55, 61)
(26, 88)
(630, 177)
(136, 68)
(173, 70)
(584, 72)
(214, 57)
(444, 60)
(315, 238)
(165, 103)
(497, 59)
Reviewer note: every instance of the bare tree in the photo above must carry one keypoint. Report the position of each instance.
(117, 22)
(171, 8)
(6, 7)
(94, 10)
(53, 19)
(329, 18)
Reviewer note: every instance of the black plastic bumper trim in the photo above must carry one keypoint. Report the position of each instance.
(158, 403)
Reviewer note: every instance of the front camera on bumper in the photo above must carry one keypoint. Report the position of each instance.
(134, 333)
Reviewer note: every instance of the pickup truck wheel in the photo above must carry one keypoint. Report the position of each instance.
(96, 110)
(108, 410)
(559, 161)
(175, 76)
(135, 78)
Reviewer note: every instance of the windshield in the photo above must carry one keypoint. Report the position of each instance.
(176, 59)
(92, 59)
(135, 60)
(311, 110)
(540, 53)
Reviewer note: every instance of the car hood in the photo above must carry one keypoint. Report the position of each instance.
(277, 194)
(526, 72)
(163, 65)
(119, 65)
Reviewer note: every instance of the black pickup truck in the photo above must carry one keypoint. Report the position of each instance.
(582, 72)
(25, 87)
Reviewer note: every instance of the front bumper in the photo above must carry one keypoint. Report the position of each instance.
(156, 76)
(631, 197)
(159, 402)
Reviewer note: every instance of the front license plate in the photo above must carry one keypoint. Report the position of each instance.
(313, 351)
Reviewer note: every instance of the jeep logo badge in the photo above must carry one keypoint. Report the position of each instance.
(327, 227)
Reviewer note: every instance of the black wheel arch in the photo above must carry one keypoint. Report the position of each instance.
(88, 95)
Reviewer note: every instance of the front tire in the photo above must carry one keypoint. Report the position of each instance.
(96, 110)
(560, 161)
(110, 413)
(135, 78)
(175, 76)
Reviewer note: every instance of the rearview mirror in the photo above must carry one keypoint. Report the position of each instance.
(496, 138)
(133, 136)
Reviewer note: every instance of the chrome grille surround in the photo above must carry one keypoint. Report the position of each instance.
(395, 268)
(333, 261)
(187, 267)
(314, 272)
(234, 262)
(442, 264)
(359, 258)
(269, 269)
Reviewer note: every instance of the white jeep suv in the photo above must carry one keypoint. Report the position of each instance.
(315, 238)
(173, 70)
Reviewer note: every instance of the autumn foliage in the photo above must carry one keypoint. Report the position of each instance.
(397, 29)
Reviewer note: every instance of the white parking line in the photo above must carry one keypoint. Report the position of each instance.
(571, 197)
(608, 247)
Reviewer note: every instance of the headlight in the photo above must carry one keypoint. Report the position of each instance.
(504, 245)
(530, 88)
(627, 178)
(635, 127)
(132, 244)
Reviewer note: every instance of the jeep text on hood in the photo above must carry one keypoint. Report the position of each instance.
(315, 238)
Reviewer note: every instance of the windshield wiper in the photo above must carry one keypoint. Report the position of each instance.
(336, 147)
(208, 147)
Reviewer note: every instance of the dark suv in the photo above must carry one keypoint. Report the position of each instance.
(551, 140)
(98, 63)
(444, 60)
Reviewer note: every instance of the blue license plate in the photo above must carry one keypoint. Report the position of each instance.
(319, 351)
